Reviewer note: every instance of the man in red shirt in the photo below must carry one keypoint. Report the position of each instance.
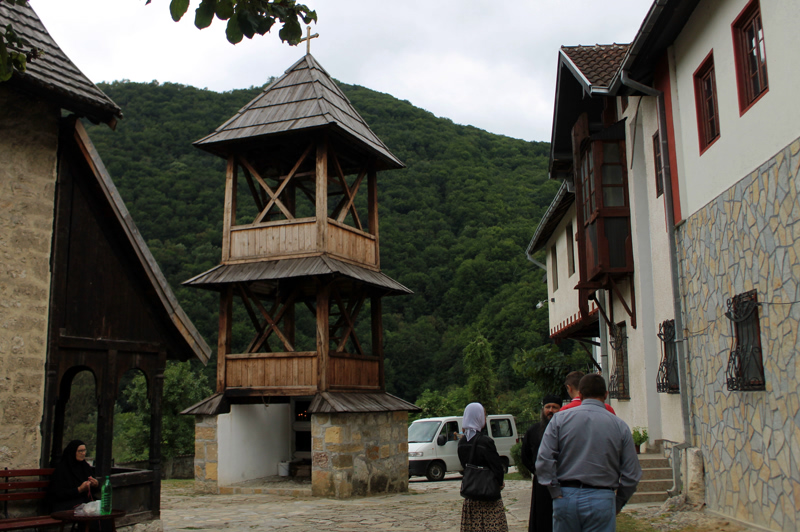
(571, 383)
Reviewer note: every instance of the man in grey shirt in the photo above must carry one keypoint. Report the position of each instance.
(586, 455)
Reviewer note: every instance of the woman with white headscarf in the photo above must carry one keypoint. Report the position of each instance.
(480, 516)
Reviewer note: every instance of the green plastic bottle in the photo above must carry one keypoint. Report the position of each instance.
(105, 496)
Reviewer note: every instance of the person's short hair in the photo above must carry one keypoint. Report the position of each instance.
(592, 386)
(573, 379)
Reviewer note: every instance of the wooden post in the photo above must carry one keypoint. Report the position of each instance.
(322, 194)
(107, 384)
(229, 216)
(372, 196)
(156, 410)
(377, 336)
(323, 335)
(58, 430)
(225, 332)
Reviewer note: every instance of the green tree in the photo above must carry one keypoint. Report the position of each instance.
(182, 388)
(481, 378)
(546, 367)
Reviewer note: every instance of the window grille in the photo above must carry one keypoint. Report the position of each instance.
(745, 365)
(667, 380)
(618, 387)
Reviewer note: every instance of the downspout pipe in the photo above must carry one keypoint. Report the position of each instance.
(536, 262)
(673, 253)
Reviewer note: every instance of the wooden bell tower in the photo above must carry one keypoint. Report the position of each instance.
(300, 268)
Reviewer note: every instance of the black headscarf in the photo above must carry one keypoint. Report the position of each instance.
(69, 474)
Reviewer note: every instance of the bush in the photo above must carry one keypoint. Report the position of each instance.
(516, 454)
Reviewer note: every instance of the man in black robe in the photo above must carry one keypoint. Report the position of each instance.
(541, 518)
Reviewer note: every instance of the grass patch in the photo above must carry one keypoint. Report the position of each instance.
(628, 523)
(513, 476)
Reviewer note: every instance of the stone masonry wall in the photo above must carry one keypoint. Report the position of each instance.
(28, 144)
(748, 238)
(205, 454)
(359, 454)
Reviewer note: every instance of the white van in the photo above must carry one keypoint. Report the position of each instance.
(433, 444)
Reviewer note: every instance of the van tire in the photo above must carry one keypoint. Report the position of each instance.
(436, 471)
(504, 460)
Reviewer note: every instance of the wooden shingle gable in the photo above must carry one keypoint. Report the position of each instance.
(304, 98)
(54, 76)
(180, 322)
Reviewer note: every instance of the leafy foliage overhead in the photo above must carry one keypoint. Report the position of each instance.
(248, 17)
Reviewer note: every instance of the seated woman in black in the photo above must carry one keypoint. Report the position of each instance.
(481, 516)
(73, 480)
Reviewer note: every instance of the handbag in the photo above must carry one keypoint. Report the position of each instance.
(479, 482)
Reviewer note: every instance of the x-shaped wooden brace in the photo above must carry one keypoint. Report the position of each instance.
(346, 321)
(346, 203)
(270, 325)
(261, 203)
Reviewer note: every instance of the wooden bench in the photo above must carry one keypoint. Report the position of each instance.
(24, 485)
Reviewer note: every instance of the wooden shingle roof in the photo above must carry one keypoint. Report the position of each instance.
(343, 402)
(304, 98)
(291, 268)
(596, 64)
(53, 76)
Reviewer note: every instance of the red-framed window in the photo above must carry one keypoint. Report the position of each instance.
(657, 157)
(705, 94)
(751, 55)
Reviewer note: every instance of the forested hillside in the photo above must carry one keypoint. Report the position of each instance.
(454, 224)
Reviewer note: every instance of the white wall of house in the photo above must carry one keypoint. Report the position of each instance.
(565, 307)
(768, 126)
(660, 413)
(252, 440)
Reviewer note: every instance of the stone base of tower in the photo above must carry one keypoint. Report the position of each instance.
(359, 454)
(205, 454)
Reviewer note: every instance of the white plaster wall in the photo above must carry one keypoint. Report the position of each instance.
(768, 126)
(566, 297)
(665, 419)
(252, 440)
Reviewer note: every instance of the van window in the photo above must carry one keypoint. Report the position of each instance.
(422, 431)
(501, 428)
(451, 430)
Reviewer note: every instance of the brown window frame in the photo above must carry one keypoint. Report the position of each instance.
(554, 267)
(659, 167)
(706, 105)
(570, 250)
(744, 49)
(597, 217)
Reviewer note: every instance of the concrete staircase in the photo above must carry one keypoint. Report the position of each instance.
(656, 479)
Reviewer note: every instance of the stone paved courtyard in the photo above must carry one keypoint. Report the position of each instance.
(428, 506)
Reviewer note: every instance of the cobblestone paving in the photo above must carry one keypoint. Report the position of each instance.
(434, 506)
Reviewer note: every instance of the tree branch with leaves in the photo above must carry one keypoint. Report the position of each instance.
(15, 51)
(245, 18)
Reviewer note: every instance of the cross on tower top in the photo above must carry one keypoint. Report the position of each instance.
(307, 39)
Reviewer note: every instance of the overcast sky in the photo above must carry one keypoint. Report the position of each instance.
(487, 64)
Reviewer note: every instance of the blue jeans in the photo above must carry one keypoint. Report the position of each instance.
(585, 510)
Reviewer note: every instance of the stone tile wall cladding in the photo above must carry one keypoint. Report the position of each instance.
(359, 454)
(28, 145)
(205, 454)
(748, 238)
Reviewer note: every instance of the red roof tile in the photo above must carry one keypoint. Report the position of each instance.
(597, 63)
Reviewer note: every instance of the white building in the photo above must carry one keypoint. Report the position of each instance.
(679, 155)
